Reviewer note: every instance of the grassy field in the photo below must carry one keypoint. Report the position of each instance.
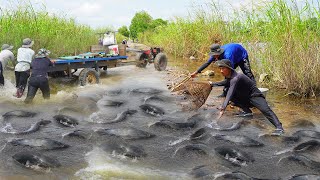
(282, 38)
(62, 36)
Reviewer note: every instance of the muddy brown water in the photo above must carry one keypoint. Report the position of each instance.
(166, 157)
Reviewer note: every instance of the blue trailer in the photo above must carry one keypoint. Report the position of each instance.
(89, 66)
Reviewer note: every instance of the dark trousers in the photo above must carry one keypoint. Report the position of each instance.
(1, 75)
(246, 69)
(22, 80)
(260, 103)
(36, 82)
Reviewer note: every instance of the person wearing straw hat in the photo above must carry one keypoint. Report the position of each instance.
(244, 93)
(22, 69)
(39, 76)
(236, 53)
(5, 56)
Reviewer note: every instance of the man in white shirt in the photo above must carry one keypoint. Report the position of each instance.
(5, 56)
(22, 70)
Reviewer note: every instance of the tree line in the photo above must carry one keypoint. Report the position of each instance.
(140, 23)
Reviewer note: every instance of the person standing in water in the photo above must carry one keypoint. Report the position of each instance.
(39, 76)
(5, 56)
(22, 69)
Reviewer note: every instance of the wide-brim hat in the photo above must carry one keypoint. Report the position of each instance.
(6, 46)
(26, 43)
(224, 63)
(215, 49)
(42, 53)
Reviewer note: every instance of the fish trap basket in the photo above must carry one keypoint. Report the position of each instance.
(181, 85)
(195, 93)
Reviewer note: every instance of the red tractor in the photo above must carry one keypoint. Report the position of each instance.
(153, 55)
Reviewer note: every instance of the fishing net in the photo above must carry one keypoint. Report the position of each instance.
(195, 93)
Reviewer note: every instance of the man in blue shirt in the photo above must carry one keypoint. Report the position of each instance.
(235, 53)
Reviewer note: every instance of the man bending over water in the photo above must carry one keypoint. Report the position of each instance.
(244, 94)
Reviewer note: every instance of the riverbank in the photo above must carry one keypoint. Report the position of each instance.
(289, 108)
(290, 39)
(289, 103)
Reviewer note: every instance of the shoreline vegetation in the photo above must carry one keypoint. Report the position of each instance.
(62, 36)
(282, 38)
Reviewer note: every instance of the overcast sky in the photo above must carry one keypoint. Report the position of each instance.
(116, 13)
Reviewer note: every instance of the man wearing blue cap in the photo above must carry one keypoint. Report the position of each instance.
(244, 94)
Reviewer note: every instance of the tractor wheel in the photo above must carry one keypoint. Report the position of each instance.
(88, 76)
(141, 60)
(160, 62)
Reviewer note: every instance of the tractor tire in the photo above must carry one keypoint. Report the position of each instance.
(160, 62)
(88, 76)
(141, 60)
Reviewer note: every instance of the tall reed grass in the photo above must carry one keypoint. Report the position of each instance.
(62, 36)
(282, 38)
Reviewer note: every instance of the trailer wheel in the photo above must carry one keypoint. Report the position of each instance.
(160, 62)
(103, 71)
(88, 76)
(141, 60)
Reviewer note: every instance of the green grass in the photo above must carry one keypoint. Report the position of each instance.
(62, 36)
(290, 34)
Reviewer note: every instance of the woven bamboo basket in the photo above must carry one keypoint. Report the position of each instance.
(196, 93)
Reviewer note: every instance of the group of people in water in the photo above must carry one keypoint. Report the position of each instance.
(27, 59)
(239, 89)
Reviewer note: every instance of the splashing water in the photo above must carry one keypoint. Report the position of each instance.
(104, 166)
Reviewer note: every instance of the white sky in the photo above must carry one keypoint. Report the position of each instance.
(116, 13)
